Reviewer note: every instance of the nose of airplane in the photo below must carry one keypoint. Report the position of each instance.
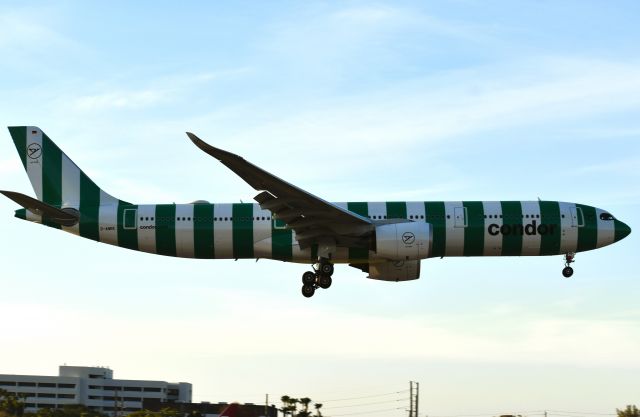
(622, 230)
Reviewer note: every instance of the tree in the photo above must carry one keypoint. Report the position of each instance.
(290, 407)
(11, 403)
(305, 407)
(630, 411)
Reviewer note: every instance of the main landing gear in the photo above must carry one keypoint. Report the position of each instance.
(320, 277)
(569, 258)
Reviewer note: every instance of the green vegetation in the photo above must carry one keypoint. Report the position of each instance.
(630, 411)
(290, 407)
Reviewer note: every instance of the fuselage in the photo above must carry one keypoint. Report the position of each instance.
(245, 231)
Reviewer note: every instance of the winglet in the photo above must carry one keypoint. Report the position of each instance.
(219, 154)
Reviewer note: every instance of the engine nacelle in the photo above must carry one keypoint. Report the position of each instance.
(403, 241)
(395, 271)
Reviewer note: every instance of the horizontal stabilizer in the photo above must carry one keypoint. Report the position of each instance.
(68, 217)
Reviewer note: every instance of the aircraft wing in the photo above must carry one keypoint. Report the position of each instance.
(313, 219)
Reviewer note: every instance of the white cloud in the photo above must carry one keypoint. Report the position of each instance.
(455, 104)
(25, 34)
(120, 100)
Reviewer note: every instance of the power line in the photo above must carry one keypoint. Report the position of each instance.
(365, 404)
(532, 413)
(581, 412)
(367, 396)
(368, 412)
(527, 413)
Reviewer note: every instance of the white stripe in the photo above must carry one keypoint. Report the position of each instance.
(377, 210)
(70, 189)
(415, 209)
(569, 238)
(531, 243)
(492, 244)
(606, 230)
(34, 159)
(262, 244)
(146, 228)
(455, 235)
(223, 231)
(70, 183)
(184, 231)
(108, 228)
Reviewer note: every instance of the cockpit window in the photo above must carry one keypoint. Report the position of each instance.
(606, 216)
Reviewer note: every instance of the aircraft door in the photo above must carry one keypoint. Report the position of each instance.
(130, 219)
(577, 217)
(460, 214)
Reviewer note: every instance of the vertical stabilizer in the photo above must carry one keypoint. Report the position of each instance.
(55, 178)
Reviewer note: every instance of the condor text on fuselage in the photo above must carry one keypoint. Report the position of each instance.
(530, 229)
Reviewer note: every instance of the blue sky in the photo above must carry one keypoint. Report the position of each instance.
(351, 101)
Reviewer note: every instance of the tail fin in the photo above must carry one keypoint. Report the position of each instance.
(56, 180)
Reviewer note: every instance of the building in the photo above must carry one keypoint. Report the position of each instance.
(206, 409)
(94, 388)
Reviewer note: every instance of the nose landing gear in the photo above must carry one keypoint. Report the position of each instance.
(569, 258)
(320, 277)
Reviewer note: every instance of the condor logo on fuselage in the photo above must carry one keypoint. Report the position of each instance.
(530, 229)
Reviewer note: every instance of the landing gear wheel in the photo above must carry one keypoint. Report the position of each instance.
(326, 269)
(567, 271)
(308, 278)
(324, 281)
(308, 290)
(569, 258)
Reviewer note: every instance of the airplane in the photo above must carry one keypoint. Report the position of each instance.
(386, 240)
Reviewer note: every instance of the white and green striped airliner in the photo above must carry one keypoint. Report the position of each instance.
(387, 240)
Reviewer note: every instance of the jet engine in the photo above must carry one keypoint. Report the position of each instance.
(403, 241)
(395, 271)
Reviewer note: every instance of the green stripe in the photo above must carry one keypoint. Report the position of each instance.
(512, 216)
(203, 231)
(242, 230)
(19, 135)
(620, 231)
(127, 238)
(281, 243)
(166, 229)
(435, 214)
(89, 208)
(550, 216)
(588, 234)
(51, 176)
(474, 232)
(51, 172)
(21, 214)
(397, 210)
(359, 254)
